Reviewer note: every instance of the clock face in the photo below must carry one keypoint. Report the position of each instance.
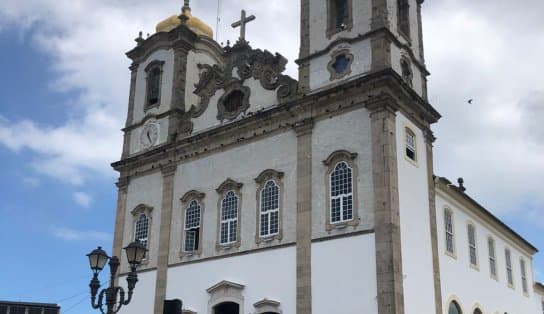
(149, 135)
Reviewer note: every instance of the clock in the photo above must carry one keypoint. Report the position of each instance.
(149, 135)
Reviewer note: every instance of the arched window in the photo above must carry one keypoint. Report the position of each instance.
(192, 226)
(454, 308)
(341, 198)
(473, 252)
(449, 231)
(270, 209)
(154, 80)
(411, 151)
(229, 218)
(141, 229)
(477, 311)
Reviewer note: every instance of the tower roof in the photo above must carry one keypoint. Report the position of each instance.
(193, 22)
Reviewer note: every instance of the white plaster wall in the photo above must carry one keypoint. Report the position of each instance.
(475, 286)
(362, 16)
(135, 135)
(242, 164)
(143, 299)
(396, 54)
(417, 259)
(144, 190)
(269, 274)
(166, 88)
(352, 132)
(344, 276)
(320, 75)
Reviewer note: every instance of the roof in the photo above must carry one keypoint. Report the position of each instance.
(539, 287)
(459, 193)
(34, 304)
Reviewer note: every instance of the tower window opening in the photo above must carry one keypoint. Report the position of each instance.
(404, 18)
(339, 16)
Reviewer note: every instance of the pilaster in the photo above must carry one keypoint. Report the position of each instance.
(304, 216)
(120, 216)
(168, 173)
(304, 67)
(386, 210)
(429, 140)
(130, 113)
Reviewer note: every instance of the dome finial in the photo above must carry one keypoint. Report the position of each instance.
(186, 6)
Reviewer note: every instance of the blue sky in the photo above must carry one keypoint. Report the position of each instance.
(63, 101)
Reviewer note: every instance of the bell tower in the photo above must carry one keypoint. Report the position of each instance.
(359, 38)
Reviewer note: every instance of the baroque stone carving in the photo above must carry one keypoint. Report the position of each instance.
(234, 101)
(247, 63)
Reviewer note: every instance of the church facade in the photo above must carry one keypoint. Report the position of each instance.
(255, 192)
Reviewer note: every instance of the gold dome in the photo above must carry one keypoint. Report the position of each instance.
(194, 23)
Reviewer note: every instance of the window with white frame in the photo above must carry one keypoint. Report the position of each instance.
(473, 253)
(509, 275)
(229, 218)
(492, 257)
(448, 223)
(192, 226)
(141, 229)
(270, 209)
(523, 276)
(410, 145)
(341, 198)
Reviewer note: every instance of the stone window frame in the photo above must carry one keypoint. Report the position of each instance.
(225, 291)
(222, 112)
(408, 131)
(136, 213)
(523, 276)
(331, 19)
(150, 67)
(404, 20)
(491, 243)
(474, 245)
(509, 269)
(331, 162)
(262, 179)
(453, 254)
(330, 66)
(407, 73)
(187, 311)
(186, 200)
(454, 299)
(476, 307)
(225, 187)
(267, 306)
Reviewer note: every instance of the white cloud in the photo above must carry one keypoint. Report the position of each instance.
(83, 199)
(68, 234)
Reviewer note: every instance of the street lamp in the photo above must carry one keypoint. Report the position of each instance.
(97, 260)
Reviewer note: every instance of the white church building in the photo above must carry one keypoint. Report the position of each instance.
(255, 192)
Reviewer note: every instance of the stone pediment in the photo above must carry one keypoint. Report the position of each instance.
(225, 285)
(241, 63)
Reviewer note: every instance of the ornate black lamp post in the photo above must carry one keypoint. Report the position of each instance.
(97, 259)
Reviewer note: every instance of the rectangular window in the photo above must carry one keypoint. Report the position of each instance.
(410, 144)
(472, 245)
(339, 16)
(448, 222)
(492, 258)
(523, 276)
(269, 209)
(341, 194)
(509, 275)
(404, 17)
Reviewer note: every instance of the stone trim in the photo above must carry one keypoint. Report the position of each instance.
(136, 213)
(451, 299)
(130, 112)
(380, 14)
(222, 112)
(429, 140)
(185, 202)
(168, 172)
(331, 28)
(225, 187)
(304, 216)
(156, 64)
(120, 216)
(304, 52)
(330, 67)
(476, 306)
(381, 52)
(225, 291)
(187, 311)
(386, 214)
(261, 180)
(267, 306)
(334, 159)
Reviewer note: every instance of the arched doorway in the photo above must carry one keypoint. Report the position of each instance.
(454, 308)
(227, 308)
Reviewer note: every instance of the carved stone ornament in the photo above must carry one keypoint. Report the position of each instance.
(247, 62)
(340, 64)
(234, 101)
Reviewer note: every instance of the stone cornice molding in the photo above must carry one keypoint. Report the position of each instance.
(169, 170)
(225, 285)
(122, 183)
(339, 154)
(303, 127)
(229, 184)
(267, 306)
(154, 63)
(267, 175)
(191, 195)
(142, 209)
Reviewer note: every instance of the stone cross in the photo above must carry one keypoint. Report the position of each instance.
(242, 24)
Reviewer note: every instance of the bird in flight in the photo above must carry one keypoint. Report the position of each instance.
(470, 101)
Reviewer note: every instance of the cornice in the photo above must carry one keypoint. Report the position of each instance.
(382, 87)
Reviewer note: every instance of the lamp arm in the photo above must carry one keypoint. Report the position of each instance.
(100, 304)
